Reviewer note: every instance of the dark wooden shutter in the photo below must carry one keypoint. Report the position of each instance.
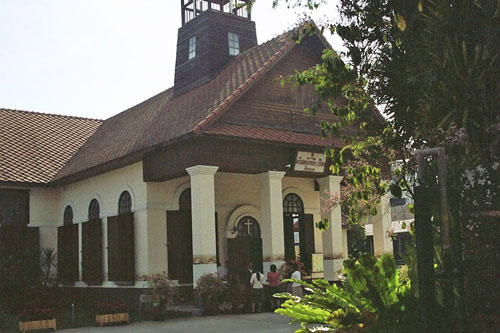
(92, 252)
(309, 240)
(289, 238)
(121, 249)
(127, 248)
(67, 253)
(113, 248)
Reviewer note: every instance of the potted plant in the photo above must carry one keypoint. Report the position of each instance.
(164, 294)
(212, 291)
(37, 319)
(111, 313)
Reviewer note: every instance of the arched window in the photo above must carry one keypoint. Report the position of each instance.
(94, 210)
(248, 227)
(292, 204)
(68, 215)
(124, 203)
(185, 200)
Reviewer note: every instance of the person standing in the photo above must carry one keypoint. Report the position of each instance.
(296, 287)
(247, 274)
(273, 278)
(257, 282)
(222, 271)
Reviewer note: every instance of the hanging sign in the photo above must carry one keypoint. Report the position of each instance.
(310, 162)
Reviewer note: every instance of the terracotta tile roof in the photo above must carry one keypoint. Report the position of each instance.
(162, 118)
(273, 135)
(35, 146)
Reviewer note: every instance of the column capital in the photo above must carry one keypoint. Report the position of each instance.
(202, 170)
(329, 180)
(271, 175)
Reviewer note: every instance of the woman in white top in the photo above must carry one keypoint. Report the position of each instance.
(296, 288)
(257, 282)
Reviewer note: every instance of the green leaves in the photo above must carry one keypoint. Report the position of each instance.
(372, 291)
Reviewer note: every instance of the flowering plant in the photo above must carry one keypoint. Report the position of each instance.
(37, 314)
(286, 269)
(110, 307)
(212, 289)
(164, 292)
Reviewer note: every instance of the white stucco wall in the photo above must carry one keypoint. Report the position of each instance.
(234, 193)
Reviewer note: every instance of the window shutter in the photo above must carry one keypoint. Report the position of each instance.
(289, 240)
(92, 252)
(121, 250)
(113, 249)
(309, 239)
(127, 247)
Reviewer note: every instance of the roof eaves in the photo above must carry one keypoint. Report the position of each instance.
(245, 86)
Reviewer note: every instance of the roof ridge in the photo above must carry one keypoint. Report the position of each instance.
(51, 114)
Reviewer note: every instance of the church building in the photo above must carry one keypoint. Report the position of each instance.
(225, 166)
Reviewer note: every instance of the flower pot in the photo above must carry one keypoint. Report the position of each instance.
(113, 318)
(37, 325)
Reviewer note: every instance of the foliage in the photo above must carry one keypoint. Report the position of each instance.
(48, 260)
(357, 242)
(286, 269)
(433, 66)
(36, 314)
(482, 259)
(212, 289)
(164, 292)
(373, 292)
(103, 307)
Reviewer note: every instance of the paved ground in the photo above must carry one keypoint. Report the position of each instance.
(262, 322)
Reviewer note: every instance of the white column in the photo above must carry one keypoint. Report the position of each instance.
(142, 245)
(203, 217)
(80, 283)
(333, 249)
(345, 244)
(382, 227)
(105, 264)
(271, 205)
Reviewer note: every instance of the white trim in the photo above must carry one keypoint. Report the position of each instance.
(202, 170)
(101, 207)
(130, 191)
(293, 190)
(237, 214)
(72, 205)
(177, 195)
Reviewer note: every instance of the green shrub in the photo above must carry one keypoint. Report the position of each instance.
(373, 294)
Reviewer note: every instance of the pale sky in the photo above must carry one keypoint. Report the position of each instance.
(96, 58)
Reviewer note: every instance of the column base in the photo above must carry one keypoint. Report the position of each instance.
(332, 268)
(200, 269)
(267, 265)
(80, 284)
(109, 284)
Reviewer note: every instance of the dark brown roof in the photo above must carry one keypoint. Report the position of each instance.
(35, 146)
(162, 118)
(273, 135)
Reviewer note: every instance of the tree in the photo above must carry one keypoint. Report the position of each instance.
(433, 67)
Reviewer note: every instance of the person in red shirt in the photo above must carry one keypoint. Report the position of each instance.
(273, 278)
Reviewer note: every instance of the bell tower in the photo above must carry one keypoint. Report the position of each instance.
(212, 33)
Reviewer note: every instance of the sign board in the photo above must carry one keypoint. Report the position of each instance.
(317, 262)
(310, 162)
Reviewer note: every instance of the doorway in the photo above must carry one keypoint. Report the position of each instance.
(246, 247)
(298, 229)
(180, 241)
